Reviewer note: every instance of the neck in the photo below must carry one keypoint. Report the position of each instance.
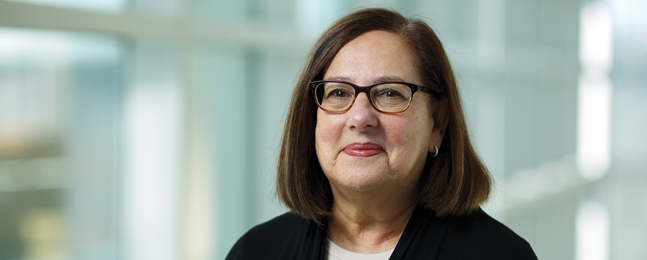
(369, 223)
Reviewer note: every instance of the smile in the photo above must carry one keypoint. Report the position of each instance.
(363, 150)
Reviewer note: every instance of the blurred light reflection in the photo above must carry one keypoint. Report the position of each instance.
(594, 110)
(592, 231)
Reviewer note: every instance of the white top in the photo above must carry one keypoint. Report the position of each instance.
(335, 252)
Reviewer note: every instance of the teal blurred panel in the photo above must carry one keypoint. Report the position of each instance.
(277, 76)
(248, 93)
(313, 17)
(94, 158)
(629, 142)
(221, 10)
(276, 12)
(223, 74)
(156, 7)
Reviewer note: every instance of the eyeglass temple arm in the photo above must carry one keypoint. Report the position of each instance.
(433, 92)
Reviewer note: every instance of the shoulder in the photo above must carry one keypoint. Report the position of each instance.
(279, 227)
(279, 238)
(481, 235)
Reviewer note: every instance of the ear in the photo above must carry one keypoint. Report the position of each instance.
(440, 116)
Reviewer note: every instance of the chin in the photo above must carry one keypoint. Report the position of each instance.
(361, 180)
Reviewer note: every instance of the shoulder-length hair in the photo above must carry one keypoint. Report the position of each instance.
(454, 183)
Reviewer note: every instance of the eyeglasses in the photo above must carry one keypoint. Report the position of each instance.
(386, 97)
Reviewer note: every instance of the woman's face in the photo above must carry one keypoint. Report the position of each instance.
(364, 149)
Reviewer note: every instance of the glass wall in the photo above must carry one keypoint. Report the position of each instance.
(150, 129)
(60, 119)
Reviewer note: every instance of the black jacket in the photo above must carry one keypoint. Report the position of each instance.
(426, 236)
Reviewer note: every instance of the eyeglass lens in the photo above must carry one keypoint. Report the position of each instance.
(388, 97)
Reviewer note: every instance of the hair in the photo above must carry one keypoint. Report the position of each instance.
(454, 183)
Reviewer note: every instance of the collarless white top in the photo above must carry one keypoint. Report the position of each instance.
(335, 252)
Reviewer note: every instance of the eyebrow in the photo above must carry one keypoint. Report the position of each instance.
(377, 80)
(389, 78)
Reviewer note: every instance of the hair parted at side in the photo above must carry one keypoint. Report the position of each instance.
(454, 183)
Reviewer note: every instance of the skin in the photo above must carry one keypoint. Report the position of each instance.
(375, 195)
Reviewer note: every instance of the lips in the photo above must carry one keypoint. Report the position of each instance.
(363, 149)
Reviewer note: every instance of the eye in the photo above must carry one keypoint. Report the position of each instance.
(338, 93)
(389, 93)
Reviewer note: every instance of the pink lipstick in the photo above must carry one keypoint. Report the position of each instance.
(363, 150)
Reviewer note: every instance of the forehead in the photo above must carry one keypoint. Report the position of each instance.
(371, 56)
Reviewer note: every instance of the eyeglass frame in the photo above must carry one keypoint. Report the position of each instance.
(367, 90)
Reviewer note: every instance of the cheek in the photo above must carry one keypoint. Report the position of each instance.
(400, 131)
(411, 135)
(423, 122)
(327, 134)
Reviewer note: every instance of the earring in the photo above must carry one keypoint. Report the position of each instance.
(435, 154)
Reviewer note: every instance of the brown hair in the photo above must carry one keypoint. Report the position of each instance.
(454, 183)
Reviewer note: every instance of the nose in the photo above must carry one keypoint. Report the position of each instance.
(362, 115)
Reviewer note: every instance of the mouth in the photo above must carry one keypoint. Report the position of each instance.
(363, 149)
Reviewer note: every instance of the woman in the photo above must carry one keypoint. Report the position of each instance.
(376, 161)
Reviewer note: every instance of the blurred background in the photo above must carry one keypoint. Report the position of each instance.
(148, 129)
